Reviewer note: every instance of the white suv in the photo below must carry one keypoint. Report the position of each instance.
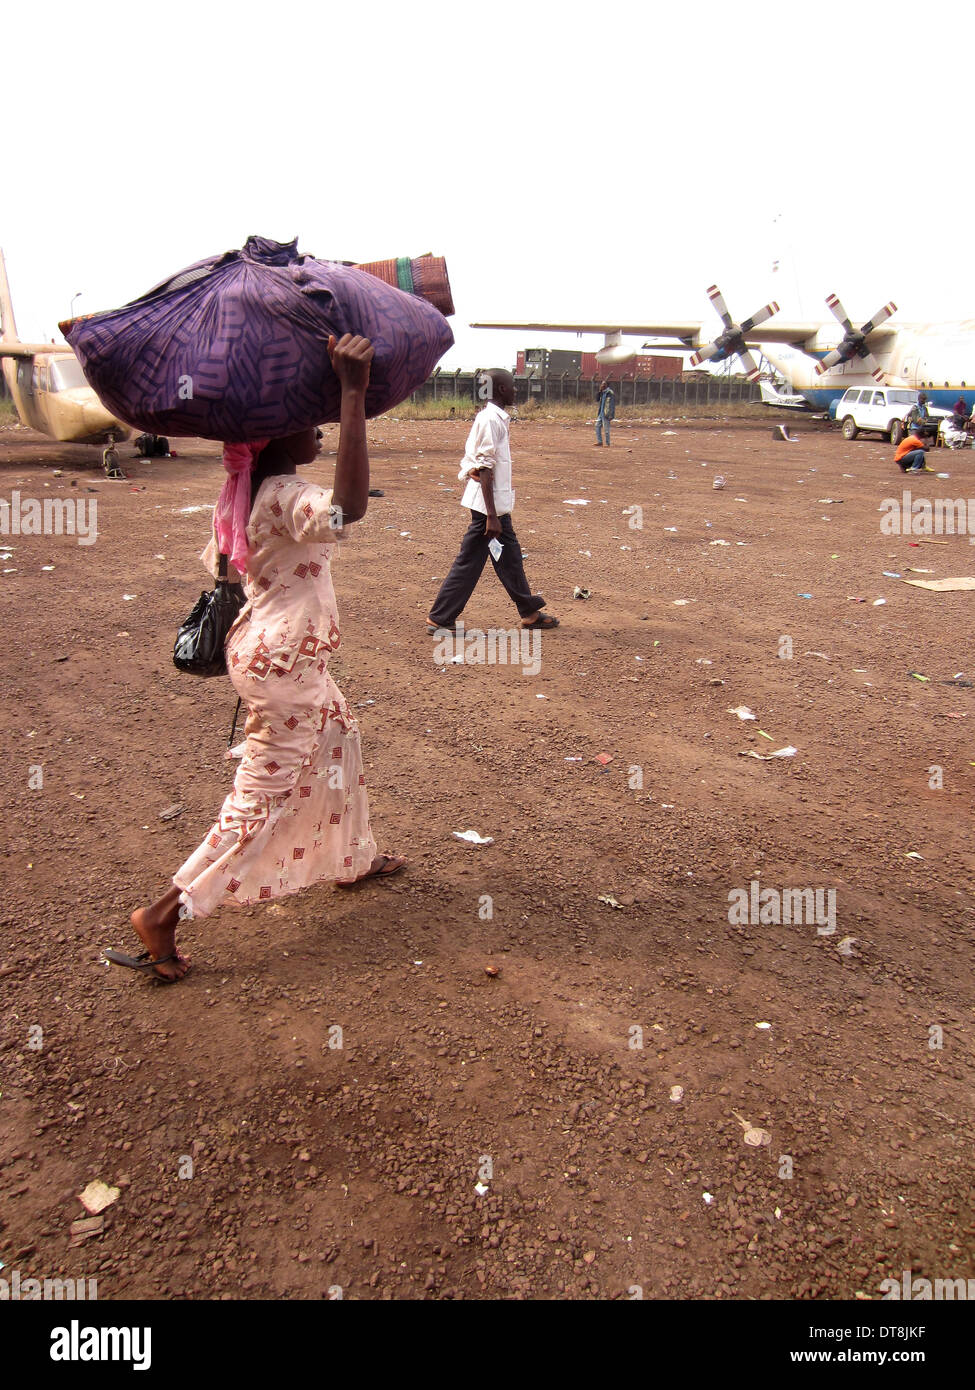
(880, 408)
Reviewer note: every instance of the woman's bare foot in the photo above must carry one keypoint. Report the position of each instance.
(381, 867)
(156, 929)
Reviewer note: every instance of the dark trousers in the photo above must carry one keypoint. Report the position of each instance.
(469, 565)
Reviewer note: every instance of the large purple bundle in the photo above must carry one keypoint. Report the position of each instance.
(235, 347)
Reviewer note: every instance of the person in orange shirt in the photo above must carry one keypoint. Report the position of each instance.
(910, 453)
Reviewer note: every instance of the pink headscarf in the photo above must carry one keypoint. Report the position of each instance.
(234, 503)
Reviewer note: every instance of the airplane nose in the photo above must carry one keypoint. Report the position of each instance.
(97, 419)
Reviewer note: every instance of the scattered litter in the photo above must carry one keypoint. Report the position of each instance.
(680, 602)
(676, 1093)
(575, 502)
(764, 1026)
(129, 597)
(187, 511)
(171, 812)
(830, 501)
(493, 970)
(667, 432)
(604, 758)
(719, 542)
(609, 900)
(86, 1227)
(787, 752)
(541, 697)
(765, 735)
(574, 760)
(581, 593)
(879, 601)
(587, 553)
(481, 1188)
(854, 598)
(805, 595)
(719, 483)
(917, 676)
(472, 837)
(943, 586)
(753, 1135)
(911, 569)
(97, 1196)
(742, 711)
(706, 1197)
(821, 654)
(670, 528)
(47, 567)
(703, 661)
(845, 947)
(913, 854)
(890, 574)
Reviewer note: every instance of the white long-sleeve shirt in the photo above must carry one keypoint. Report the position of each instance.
(487, 447)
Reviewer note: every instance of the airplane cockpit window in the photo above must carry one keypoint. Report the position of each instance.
(66, 374)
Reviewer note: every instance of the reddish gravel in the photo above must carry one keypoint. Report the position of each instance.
(319, 1167)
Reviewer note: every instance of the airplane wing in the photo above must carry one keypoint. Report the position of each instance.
(34, 349)
(796, 334)
(681, 331)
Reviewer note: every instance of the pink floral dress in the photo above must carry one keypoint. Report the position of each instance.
(298, 813)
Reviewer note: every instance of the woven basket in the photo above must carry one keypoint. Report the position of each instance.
(425, 276)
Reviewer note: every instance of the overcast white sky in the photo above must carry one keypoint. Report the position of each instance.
(602, 163)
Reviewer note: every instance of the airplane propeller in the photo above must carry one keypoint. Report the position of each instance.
(732, 340)
(854, 342)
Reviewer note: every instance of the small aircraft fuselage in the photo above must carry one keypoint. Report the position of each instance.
(51, 395)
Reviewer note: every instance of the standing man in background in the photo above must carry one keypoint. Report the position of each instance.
(486, 468)
(607, 412)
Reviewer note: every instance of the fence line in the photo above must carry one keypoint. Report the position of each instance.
(568, 386)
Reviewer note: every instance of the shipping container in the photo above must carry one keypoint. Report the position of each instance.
(639, 368)
(550, 360)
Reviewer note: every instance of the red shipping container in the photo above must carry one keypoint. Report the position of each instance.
(642, 367)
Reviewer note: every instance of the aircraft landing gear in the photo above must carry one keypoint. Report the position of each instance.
(110, 461)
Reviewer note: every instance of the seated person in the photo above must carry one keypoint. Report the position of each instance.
(910, 452)
(954, 431)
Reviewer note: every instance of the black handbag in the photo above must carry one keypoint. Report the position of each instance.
(199, 647)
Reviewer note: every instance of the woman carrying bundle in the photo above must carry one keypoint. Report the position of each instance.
(298, 813)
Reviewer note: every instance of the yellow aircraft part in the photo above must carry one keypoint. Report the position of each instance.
(47, 399)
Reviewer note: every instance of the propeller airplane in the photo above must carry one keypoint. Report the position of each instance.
(49, 390)
(937, 358)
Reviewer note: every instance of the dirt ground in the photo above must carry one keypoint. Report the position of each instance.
(255, 1157)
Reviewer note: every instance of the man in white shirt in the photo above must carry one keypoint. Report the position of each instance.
(490, 497)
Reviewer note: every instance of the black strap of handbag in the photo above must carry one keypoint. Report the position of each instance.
(222, 578)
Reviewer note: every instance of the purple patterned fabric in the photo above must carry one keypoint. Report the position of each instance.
(235, 347)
